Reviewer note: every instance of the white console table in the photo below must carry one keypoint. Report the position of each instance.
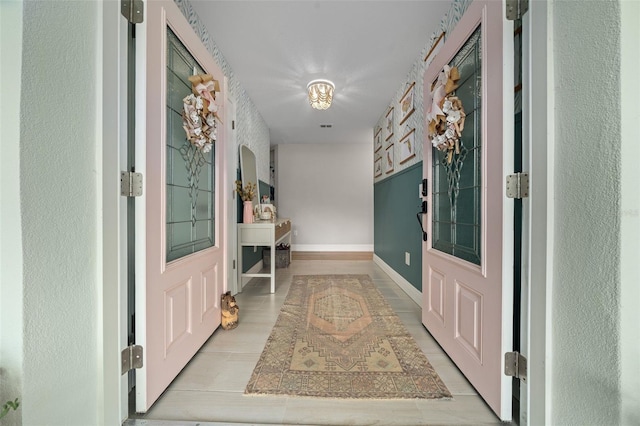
(263, 233)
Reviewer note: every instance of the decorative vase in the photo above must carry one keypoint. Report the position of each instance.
(247, 212)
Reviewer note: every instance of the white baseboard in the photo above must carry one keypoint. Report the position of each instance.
(405, 285)
(332, 247)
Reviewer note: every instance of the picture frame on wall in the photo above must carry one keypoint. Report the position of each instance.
(377, 141)
(388, 126)
(406, 103)
(388, 159)
(377, 167)
(407, 146)
(434, 49)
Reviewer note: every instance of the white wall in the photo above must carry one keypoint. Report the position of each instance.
(326, 190)
(10, 234)
(630, 220)
(59, 176)
(585, 311)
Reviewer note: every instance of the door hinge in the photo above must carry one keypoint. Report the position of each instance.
(234, 264)
(131, 358)
(233, 124)
(515, 365)
(518, 185)
(133, 10)
(130, 184)
(516, 8)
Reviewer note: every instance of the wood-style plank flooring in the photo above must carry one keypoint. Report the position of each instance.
(209, 391)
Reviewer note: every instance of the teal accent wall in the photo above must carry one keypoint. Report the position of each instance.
(396, 229)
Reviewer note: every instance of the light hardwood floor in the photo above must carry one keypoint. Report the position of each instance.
(210, 388)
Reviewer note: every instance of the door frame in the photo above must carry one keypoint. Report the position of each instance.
(112, 331)
(537, 246)
(537, 221)
(232, 208)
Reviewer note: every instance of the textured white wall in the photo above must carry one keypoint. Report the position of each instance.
(11, 322)
(326, 191)
(59, 190)
(585, 320)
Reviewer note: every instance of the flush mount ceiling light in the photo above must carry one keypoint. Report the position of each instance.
(320, 93)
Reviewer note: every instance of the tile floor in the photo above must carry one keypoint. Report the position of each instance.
(210, 388)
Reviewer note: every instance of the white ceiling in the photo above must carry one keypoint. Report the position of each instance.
(366, 48)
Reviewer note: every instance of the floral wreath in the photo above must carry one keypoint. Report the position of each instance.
(446, 116)
(200, 112)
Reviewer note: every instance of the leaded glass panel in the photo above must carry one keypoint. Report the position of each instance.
(190, 195)
(457, 184)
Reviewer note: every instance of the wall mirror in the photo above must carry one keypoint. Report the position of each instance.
(249, 171)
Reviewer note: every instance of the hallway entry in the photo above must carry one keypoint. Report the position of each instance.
(211, 387)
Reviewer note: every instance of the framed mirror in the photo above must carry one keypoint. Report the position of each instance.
(249, 171)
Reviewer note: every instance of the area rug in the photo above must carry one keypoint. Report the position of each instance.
(337, 337)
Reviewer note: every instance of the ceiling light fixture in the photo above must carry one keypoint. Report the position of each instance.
(320, 93)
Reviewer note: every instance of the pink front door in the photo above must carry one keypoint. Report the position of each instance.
(180, 220)
(468, 258)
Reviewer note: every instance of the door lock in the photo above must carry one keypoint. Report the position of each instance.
(424, 209)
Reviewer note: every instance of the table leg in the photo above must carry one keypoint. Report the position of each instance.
(273, 267)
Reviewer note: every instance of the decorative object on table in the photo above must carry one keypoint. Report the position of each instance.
(377, 167)
(445, 116)
(230, 310)
(388, 127)
(337, 337)
(407, 146)
(406, 103)
(388, 159)
(283, 256)
(200, 112)
(377, 140)
(246, 193)
(265, 211)
(247, 212)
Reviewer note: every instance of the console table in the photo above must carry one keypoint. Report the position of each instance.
(263, 233)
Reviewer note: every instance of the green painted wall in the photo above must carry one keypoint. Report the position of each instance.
(396, 229)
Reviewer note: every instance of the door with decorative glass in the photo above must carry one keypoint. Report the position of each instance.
(468, 149)
(180, 220)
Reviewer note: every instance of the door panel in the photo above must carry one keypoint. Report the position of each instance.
(468, 257)
(180, 219)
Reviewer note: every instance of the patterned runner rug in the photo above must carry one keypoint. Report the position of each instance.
(337, 337)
